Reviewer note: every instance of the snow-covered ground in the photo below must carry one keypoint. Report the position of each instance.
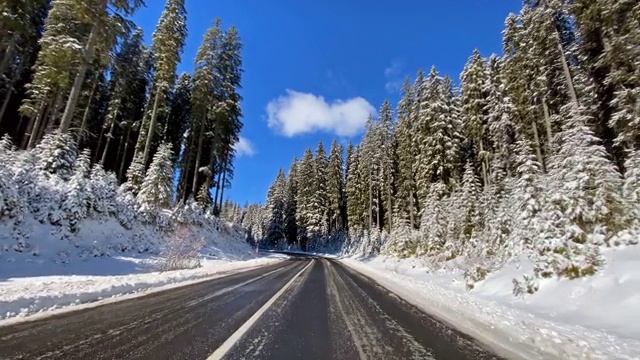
(590, 318)
(44, 268)
(96, 279)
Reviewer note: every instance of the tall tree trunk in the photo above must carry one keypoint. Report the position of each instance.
(547, 123)
(224, 179)
(106, 146)
(536, 138)
(218, 187)
(5, 102)
(89, 51)
(370, 201)
(8, 54)
(152, 126)
(87, 110)
(124, 156)
(97, 152)
(49, 117)
(196, 170)
(412, 219)
(483, 161)
(35, 125)
(389, 209)
(120, 148)
(32, 123)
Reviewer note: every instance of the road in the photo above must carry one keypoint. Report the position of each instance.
(303, 308)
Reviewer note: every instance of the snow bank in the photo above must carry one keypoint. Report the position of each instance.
(22, 296)
(587, 318)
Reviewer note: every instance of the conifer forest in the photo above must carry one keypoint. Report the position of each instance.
(533, 151)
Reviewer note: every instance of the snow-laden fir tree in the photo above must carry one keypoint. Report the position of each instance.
(56, 155)
(135, 175)
(156, 191)
(335, 189)
(318, 216)
(77, 200)
(474, 104)
(275, 206)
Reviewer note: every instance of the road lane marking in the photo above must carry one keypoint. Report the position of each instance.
(237, 335)
(231, 288)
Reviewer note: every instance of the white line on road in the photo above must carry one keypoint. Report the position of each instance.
(236, 336)
(231, 288)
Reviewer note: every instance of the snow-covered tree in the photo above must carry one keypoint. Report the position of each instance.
(156, 191)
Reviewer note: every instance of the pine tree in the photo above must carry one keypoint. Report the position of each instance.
(76, 202)
(156, 191)
(167, 46)
(406, 207)
(202, 100)
(335, 189)
(305, 196)
(318, 221)
(56, 155)
(291, 205)
(275, 205)
(474, 104)
(588, 185)
(135, 175)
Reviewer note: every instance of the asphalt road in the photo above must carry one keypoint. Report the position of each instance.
(304, 308)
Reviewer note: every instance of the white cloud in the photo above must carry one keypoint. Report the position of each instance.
(393, 75)
(244, 147)
(298, 113)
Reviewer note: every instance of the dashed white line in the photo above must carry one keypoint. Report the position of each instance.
(237, 335)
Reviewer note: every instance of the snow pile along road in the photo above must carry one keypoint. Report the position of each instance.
(588, 318)
(24, 296)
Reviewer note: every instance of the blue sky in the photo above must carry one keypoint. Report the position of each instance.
(314, 69)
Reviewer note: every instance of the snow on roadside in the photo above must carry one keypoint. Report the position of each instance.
(587, 318)
(24, 296)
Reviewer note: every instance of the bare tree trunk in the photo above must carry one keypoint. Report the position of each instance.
(547, 123)
(537, 143)
(152, 127)
(124, 156)
(95, 154)
(120, 148)
(412, 219)
(483, 161)
(85, 117)
(32, 123)
(224, 179)
(196, 171)
(565, 65)
(218, 187)
(8, 54)
(5, 103)
(50, 115)
(35, 125)
(106, 146)
(89, 51)
(389, 209)
(370, 201)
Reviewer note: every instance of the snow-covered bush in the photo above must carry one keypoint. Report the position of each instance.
(181, 251)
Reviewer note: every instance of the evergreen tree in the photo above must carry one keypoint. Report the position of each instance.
(275, 205)
(166, 46)
(156, 191)
(335, 189)
(474, 104)
(406, 206)
(291, 205)
(305, 196)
